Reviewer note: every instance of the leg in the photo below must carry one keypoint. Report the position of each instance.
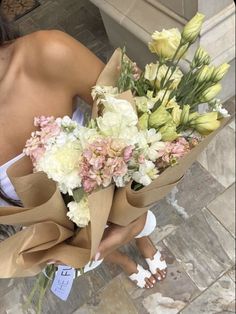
(128, 266)
(116, 236)
(148, 250)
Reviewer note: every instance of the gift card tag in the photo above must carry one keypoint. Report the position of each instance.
(63, 282)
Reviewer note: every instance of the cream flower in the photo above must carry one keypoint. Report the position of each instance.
(151, 71)
(119, 120)
(61, 164)
(100, 92)
(175, 77)
(167, 101)
(79, 212)
(165, 43)
(149, 143)
(146, 174)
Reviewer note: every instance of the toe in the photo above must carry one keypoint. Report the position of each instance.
(160, 274)
(149, 283)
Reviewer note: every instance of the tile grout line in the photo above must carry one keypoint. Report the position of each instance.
(223, 274)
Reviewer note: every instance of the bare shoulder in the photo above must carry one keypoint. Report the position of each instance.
(52, 50)
(56, 56)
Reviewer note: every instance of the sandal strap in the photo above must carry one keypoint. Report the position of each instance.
(156, 263)
(140, 276)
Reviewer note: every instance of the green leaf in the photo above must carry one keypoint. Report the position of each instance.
(78, 194)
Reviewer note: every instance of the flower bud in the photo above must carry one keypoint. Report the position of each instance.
(209, 93)
(176, 114)
(184, 118)
(205, 74)
(200, 58)
(141, 103)
(192, 28)
(206, 123)
(159, 117)
(219, 72)
(143, 121)
(168, 132)
(151, 71)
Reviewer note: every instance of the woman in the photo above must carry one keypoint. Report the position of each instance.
(41, 74)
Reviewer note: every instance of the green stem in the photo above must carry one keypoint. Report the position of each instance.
(174, 68)
(172, 62)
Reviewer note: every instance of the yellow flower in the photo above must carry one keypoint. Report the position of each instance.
(176, 114)
(168, 132)
(141, 103)
(167, 102)
(192, 28)
(165, 43)
(206, 123)
(159, 117)
(184, 118)
(143, 121)
(210, 92)
(175, 77)
(151, 71)
(220, 71)
(205, 74)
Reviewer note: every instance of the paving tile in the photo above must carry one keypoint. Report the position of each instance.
(219, 298)
(195, 191)
(204, 248)
(231, 274)
(167, 218)
(223, 167)
(113, 299)
(223, 207)
(232, 125)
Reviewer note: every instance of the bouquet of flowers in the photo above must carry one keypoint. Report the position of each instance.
(167, 102)
(145, 132)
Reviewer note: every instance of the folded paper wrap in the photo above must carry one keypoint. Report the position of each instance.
(49, 234)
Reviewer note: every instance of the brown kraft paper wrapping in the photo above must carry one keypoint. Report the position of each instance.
(49, 234)
(128, 204)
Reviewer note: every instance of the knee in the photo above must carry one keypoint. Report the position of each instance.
(149, 226)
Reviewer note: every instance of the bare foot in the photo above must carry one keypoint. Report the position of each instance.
(130, 267)
(148, 250)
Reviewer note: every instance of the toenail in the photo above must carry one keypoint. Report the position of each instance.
(159, 278)
(154, 281)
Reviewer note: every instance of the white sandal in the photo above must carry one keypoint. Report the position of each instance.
(140, 276)
(156, 264)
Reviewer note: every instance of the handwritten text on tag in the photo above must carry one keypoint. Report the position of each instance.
(63, 282)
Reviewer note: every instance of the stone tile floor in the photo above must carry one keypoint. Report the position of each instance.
(195, 223)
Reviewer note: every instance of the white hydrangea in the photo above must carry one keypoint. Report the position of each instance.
(79, 212)
(146, 174)
(61, 164)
